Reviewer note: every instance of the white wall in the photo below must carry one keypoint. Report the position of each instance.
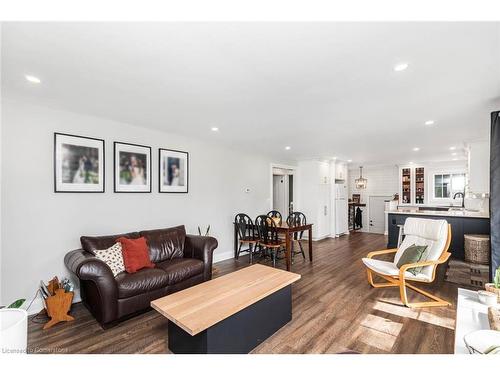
(382, 181)
(39, 226)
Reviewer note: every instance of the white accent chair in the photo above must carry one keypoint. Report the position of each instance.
(436, 234)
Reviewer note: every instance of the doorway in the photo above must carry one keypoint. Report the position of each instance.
(282, 191)
(376, 209)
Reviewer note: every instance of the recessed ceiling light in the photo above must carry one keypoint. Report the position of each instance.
(214, 129)
(287, 148)
(455, 159)
(416, 148)
(453, 154)
(400, 67)
(349, 161)
(410, 162)
(452, 148)
(429, 122)
(32, 79)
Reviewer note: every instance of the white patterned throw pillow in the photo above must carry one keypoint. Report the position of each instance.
(112, 257)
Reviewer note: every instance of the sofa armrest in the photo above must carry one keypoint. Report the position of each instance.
(202, 248)
(98, 286)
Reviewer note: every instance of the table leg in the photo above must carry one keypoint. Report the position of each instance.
(310, 244)
(288, 252)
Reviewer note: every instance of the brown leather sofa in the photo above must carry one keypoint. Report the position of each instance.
(181, 260)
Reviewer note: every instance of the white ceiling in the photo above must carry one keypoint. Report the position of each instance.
(325, 89)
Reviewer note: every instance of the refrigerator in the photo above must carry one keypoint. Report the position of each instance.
(341, 209)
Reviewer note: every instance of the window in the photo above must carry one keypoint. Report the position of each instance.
(447, 184)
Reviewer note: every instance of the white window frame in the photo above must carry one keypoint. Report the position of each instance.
(451, 173)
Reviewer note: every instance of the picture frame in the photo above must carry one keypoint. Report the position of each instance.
(173, 166)
(131, 168)
(79, 164)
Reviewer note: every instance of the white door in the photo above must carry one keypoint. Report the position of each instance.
(280, 194)
(376, 210)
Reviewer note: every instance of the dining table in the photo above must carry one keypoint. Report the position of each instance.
(288, 231)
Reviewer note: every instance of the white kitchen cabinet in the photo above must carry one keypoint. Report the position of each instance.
(314, 195)
(479, 167)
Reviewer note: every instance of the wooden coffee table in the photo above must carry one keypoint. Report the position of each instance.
(231, 314)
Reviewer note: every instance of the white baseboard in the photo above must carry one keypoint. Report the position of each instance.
(219, 257)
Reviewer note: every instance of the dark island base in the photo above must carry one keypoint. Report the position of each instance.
(459, 227)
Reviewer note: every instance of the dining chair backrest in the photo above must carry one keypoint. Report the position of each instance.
(244, 226)
(276, 215)
(267, 231)
(296, 219)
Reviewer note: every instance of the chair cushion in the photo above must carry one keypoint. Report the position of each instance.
(413, 254)
(140, 282)
(165, 244)
(424, 232)
(180, 269)
(390, 269)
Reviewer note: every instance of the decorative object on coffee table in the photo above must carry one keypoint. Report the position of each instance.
(494, 287)
(484, 341)
(477, 248)
(78, 164)
(494, 317)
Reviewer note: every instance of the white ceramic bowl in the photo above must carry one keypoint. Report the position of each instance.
(487, 298)
(478, 342)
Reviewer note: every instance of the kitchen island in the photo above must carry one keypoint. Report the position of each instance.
(461, 221)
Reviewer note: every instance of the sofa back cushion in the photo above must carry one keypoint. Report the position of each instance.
(103, 242)
(165, 244)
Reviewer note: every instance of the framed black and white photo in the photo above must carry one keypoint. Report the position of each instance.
(174, 171)
(132, 168)
(78, 164)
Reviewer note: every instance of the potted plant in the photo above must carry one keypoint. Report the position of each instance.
(13, 328)
(494, 287)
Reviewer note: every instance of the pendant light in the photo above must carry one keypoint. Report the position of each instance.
(361, 182)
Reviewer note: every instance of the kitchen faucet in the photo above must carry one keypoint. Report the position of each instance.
(461, 194)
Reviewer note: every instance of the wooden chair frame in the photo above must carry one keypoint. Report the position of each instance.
(401, 280)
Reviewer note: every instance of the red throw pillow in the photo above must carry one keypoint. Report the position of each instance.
(135, 254)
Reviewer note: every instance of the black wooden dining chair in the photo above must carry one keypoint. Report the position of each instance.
(276, 215)
(267, 232)
(296, 219)
(246, 235)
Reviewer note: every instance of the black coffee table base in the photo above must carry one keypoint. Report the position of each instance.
(239, 333)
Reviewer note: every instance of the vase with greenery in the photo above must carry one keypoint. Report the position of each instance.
(494, 287)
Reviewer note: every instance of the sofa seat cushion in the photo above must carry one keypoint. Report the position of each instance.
(140, 282)
(180, 269)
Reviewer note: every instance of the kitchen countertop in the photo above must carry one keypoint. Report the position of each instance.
(452, 213)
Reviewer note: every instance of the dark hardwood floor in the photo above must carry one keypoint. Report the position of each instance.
(334, 310)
